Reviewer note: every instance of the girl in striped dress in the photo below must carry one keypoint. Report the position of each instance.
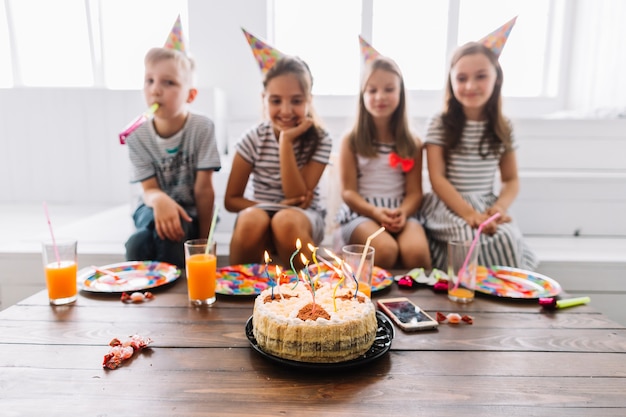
(381, 172)
(467, 145)
(283, 158)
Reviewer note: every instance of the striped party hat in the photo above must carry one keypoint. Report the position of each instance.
(265, 54)
(497, 39)
(175, 38)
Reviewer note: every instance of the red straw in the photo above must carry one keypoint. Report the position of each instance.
(54, 243)
(469, 253)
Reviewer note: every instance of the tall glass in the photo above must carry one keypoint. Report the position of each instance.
(201, 267)
(60, 262)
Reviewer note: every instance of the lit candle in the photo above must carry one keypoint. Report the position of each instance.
(356, 281)
(313, 250)
(293, 255)
(338, 271)
(278, 279)
(267, 272)
(307, 277)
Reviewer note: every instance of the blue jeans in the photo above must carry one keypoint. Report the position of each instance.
(146, 245)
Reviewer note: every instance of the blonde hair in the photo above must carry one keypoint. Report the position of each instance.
(363, 134)
(185, 63)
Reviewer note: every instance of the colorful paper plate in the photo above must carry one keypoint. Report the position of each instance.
(251, 279)
(507, 282)
(133, 276)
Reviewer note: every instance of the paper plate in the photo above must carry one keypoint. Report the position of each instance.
(507, 282)
(133, 276)
(251, 279)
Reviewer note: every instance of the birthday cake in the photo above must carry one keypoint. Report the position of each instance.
(335, 326)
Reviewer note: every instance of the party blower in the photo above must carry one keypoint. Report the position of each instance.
(132, 126)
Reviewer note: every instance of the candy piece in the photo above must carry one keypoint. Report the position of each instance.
(468, 319)
(136, 297)
(405, 282)
(441, 286)
(454, 318)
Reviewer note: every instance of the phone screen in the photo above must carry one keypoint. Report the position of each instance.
(407, 312)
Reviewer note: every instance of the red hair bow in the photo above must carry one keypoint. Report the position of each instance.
(405, 163)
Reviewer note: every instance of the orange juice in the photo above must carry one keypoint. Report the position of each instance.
(61, 280)
(365, 289)
(462, 295)
(201, 270)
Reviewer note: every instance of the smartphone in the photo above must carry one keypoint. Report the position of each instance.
(406, 314)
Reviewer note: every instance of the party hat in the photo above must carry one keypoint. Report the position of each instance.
(175, 38)
(367, 51)
(496, 39)
(265, 54)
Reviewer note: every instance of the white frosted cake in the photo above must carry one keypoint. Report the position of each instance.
(292, 327)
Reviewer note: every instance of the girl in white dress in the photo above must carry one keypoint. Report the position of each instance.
(466, 146)
(381, 172)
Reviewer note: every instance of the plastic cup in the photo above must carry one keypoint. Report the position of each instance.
(352, 255)
(200, 270)
(466, 279)
(60, 266)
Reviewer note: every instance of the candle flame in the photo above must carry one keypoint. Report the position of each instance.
(304, 260)
(267, 257)
(311, 247)
(298, 244)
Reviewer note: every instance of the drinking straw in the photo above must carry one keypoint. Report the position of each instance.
(469, 253)
(209, 241)
(54, 243)
(366, 248)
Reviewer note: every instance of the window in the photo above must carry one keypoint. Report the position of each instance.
(420, 35)
(59, 44)
(126, 37)
(82, 43)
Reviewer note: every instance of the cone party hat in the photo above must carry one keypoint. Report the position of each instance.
(497, 39)
(265, 54)
(175, 38)
(367, 51)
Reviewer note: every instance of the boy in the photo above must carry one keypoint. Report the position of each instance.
(173, 156)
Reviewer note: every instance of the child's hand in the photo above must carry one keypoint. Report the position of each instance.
(301, 201)
(504, 217)
(167, 215)
(398, 220)
(291, 134)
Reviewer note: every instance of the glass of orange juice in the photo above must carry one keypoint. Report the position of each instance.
(352, 255)
(462, 280)
(60, 265)
(201, 266)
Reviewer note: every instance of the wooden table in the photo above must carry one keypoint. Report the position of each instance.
(515, 360)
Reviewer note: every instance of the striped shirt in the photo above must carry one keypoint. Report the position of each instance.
(466, 168)
(174, 161)
(259, 147)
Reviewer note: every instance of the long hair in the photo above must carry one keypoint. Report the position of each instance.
(497, 131)
(299, 68)
(363, 134)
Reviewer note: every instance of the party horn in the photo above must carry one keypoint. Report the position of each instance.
(130, 128)
(552, 303)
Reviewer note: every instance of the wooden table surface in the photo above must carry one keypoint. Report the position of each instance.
(515, 360)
